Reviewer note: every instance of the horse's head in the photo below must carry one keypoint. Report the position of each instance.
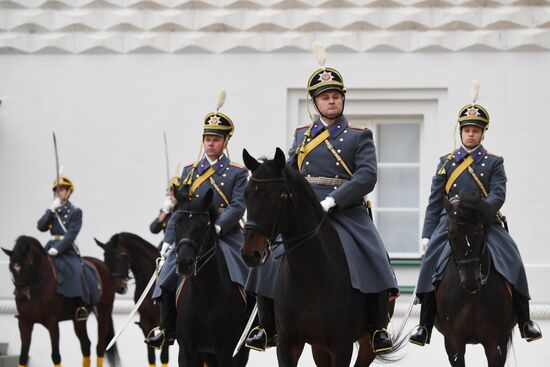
(466, 234)
(266, 196)
(195, 232)
(117, 261)
(26, 260)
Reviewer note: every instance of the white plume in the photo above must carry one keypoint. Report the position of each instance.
(320, 54)
(61, 170)
(475, 90)
(221, 99)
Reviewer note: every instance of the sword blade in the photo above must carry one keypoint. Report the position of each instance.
(246, 330)
(56, 156)
(136, 306)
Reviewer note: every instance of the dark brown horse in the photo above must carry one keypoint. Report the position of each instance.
(474, 302)
(212, 311)
(38, 302)
(314, 300)
(127, 252)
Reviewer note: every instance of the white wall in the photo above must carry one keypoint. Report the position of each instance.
(109, 111)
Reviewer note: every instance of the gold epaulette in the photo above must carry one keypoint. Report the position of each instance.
(235, 164)
(494, 154)
(446, 155)
(355, 127)
(189, 165)
(303, 127)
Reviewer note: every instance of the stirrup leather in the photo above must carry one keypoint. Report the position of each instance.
(151, 334)
(257, 328)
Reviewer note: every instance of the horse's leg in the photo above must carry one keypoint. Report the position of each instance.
(365, 355)
(288, 353)
(25, 331)
(320, 356)
(496, 353)
(187, 356)
(455, 352)
(164, 355)
(342, 356)
(82, 334)
(53, 329)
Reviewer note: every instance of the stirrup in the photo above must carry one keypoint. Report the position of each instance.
(418, 342)
(152, 335)
(534, 325)
(383, 349)
(78, 310)
(259, 349)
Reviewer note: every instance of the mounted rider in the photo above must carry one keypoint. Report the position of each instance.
(470, 167)
(214, 170)
(160, 223)
(64, 221)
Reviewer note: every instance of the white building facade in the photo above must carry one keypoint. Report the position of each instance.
(109, 76)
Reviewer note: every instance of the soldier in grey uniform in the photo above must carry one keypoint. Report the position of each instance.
(228, 180)
(160, 223)
(473, 120)
(339, 161)
(64, 221)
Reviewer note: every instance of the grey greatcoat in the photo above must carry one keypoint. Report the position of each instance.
(231, 179)
(504, 251)
(368, 263)
(73, 278)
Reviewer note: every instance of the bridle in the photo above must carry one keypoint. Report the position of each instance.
(32, 283)
(201, 259)
(473, 261)
(272, 233)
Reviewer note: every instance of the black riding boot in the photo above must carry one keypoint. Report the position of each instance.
(377, 321)
(423, 334)
(167, 327)
(264, 335)
(527, 328)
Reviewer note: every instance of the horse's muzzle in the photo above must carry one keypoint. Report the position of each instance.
(254, 258)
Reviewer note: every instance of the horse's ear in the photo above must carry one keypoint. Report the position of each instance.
(102, 245)
(179, 196)
(250, 162)
(280, 159)
(7, 252)
(207, 199)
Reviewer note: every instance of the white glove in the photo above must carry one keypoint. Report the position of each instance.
(218, 229)
(164, 250)
(328, 203)
(56, 203)
(425, 242)
(168, 204)
(53, 252)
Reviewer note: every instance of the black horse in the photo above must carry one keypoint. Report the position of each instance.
(39, 303)
(314, 300)
(127, 252)
(212, 311)
(474, 302)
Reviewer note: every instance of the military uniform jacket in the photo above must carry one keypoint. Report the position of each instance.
(368, 263)
(67, 263)
(156, 226)
(505, 254)
(231, 179)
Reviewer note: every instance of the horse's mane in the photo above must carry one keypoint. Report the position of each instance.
(469, 207)
(135, 237)
(297, 183)
(23, 245)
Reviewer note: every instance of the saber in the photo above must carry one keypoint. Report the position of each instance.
(246, 330)
(160, 263)
(56, 157)
(166, 158)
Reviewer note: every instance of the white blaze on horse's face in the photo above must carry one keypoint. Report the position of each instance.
(17, 268)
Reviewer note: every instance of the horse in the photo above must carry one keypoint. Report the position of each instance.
(37, 302)
(215, 310)
(474, 302)
(314, 300)
(126, 252)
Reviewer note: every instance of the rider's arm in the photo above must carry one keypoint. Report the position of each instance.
(235, 210)
(73, 227)
(497, 185)
(364, 176)
(43, 224)
(156, 225)
(435, 202)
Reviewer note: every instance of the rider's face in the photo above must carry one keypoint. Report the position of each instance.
(213, 146)
(471, 136)
(330, 104)
(62, 193)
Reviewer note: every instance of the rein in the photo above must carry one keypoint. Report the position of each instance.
(271, 241)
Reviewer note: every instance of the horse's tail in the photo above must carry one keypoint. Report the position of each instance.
(399, 337)
(112, 354)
